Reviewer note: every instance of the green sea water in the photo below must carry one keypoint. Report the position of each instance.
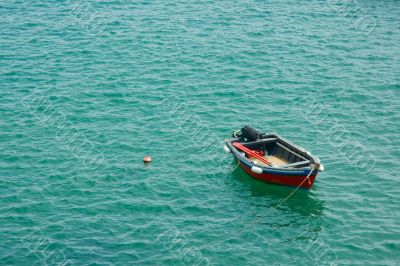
(88, 88)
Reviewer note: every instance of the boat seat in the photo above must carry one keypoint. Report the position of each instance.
(275, 161)
(260, 163)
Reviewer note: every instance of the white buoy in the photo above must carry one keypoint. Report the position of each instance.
(226, 149)
(321, 168)
(256, 170)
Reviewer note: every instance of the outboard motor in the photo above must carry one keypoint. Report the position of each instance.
(250, 133)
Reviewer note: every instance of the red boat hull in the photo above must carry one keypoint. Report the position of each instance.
(287, 180)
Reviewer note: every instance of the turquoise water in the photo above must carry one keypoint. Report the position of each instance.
(89, 88)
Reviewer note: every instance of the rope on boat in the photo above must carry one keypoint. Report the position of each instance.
(235, 133)
(297, 188)
(309, 174)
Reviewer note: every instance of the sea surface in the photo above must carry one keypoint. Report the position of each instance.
(88, 88)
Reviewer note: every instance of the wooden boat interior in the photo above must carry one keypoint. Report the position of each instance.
(277, 153)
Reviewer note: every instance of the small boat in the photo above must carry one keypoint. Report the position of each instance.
(273, 159)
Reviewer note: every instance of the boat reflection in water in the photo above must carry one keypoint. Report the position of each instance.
(301, 201)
